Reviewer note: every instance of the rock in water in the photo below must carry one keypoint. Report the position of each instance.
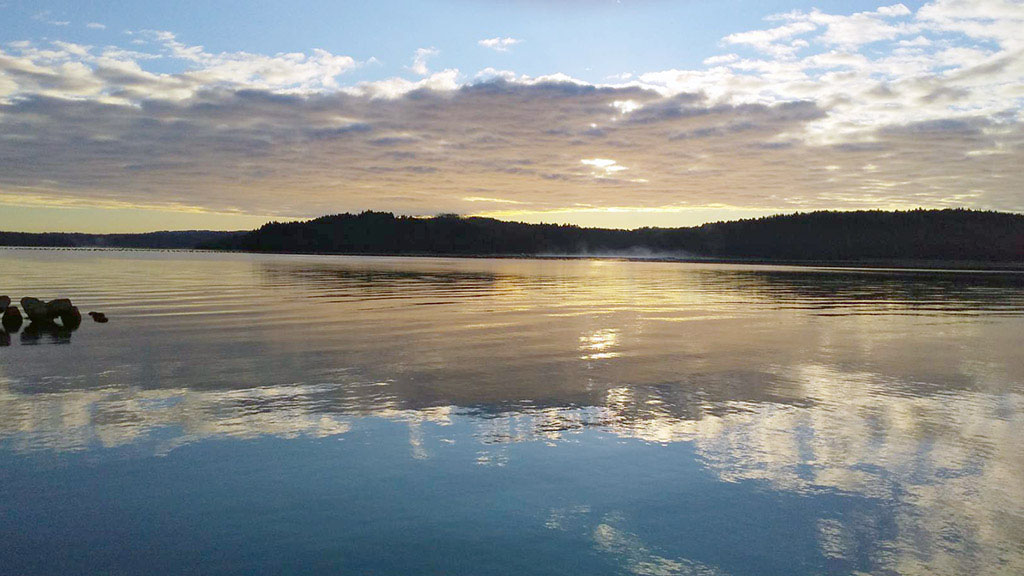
(12, 319)
(5, 301)
(99, 317)
(35, 309)
(71, 318)
(59, 307)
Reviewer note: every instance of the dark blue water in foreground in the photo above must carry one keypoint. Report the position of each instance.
(273, 414)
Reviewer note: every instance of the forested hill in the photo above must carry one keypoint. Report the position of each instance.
(950, 235)
(179, 239)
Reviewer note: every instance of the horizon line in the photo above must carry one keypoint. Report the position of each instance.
(540, 223)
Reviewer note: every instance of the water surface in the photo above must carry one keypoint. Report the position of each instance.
(247, 414)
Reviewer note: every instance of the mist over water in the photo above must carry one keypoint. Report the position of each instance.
(268, 414)
(634, 253)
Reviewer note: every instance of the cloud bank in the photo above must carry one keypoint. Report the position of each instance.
(881, 109)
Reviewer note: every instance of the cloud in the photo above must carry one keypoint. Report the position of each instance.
(862, 27)
(603, 166)
(768, 40)
(96, 26)
(294, 70)
(934, 107)
(115, 75)
(499, 44)
(490, 200)
(720, 59)
(47, 17)
(419, 60)
(446, 80)
(998, 20)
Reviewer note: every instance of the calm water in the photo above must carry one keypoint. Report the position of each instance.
(340, 415)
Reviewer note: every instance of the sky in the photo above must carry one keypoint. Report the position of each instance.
(127, 116)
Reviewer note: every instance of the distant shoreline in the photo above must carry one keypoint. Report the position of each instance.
(947, 239)
(876, 265)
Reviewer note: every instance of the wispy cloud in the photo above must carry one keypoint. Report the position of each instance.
(776, 41)
(490, 200)
(499, 44)
(96, 26)
(47, 16)
(419, 60)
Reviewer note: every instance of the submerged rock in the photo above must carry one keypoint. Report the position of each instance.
(5, 301)
(12, 319)
(35, 309)
(99, 317)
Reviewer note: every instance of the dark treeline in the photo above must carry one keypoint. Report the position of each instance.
(181, 239)
(963, 235)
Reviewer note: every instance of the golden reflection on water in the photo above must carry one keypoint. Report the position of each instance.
(904, 387)
(599, 344)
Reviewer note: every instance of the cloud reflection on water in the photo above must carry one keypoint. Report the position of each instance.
(902, 388)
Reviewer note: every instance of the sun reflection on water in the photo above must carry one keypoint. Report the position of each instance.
(599, 344)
